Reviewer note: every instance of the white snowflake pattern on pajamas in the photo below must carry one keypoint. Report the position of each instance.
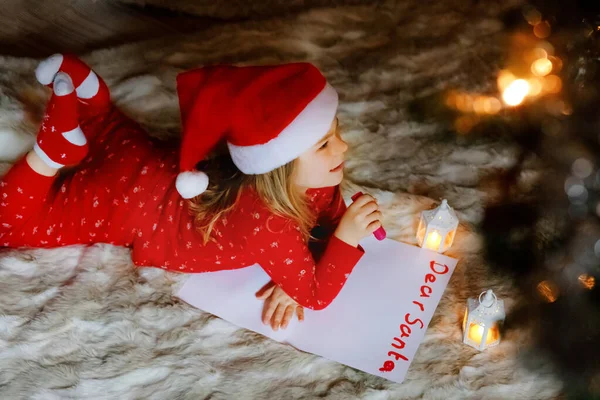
(161, 233)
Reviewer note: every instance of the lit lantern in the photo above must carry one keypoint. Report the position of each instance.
(481, 324)
(437, 228)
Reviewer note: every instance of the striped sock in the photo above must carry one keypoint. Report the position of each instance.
(60, 140)
(92, 92)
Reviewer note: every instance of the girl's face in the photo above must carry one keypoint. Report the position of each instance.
(323, 164)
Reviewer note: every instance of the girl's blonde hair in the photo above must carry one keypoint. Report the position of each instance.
(226, 184)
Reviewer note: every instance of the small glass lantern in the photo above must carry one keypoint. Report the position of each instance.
(437, 228)
(482, 321)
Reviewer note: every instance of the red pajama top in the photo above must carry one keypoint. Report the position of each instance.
(124, 193)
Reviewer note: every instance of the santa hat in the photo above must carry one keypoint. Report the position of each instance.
(268, 115)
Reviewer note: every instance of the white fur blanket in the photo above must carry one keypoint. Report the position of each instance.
(82, 323)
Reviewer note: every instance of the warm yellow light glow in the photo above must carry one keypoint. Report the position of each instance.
(547, 47)
(505, 78)
(479, 104)
(552, 84)
(421, 232)
(449, 239)
(556, 63)
(476, 333)
(464, 102)
(433, 241)
(535, 86)
(538, 52)
(451, 99)
(514, 94)
(492, 105)
(548, 290)
(541, 67)
(587, 281)
(542, 29)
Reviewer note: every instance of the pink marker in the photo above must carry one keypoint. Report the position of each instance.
(380, 233)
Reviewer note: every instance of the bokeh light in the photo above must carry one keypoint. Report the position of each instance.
(542, 29)
(515, 93)
(557, 63)
(552, 84)
(505, 78)
(491, 105)
(548, 291)
(535, 86)
(574, 187)
(532, 16)
(541, 67)
(587, 281)
(582, 168)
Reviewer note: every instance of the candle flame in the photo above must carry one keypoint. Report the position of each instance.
(433, 240)
(476, 333)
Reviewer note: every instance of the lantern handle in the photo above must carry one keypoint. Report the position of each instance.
(493, 294)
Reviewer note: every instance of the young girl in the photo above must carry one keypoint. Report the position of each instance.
(273, 198)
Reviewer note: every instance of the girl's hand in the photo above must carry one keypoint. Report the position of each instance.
(279, 307)
(361, 219)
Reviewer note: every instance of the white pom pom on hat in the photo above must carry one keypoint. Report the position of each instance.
(268, 116)
(191, 183)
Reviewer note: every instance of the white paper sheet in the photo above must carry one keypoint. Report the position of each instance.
(392, 286)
